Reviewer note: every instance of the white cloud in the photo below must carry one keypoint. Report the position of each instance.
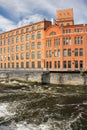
(6, 24)
(33, 11)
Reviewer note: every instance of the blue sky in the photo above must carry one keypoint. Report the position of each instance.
(16, 13)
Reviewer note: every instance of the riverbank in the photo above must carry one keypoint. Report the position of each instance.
(46, 76)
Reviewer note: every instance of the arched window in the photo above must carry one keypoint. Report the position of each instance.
(52, 33)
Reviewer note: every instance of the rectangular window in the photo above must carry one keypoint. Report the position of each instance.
(33, 55)
(4, 50)
(17, 56)
(76, 64)
(17, 48)
(39, 54)
(47, 54)
(39, 64)
(13, 57)
(38, 34)
(33, 64)
(57, 42)
(50, 64)
(22, 38)
(22, 47)
(33, 45)
(12, 40)
(22, 64)
(22, 56)
(27, 64)
(12, 65)
(81, 52)
(4, 65)
(17, 39)
(8, 48)
(39, 45)
(27, 29)
(67, 41)
(17, 65)
(27, 37)
(12, 48)
(69, 52)
(48, 43)
(55, 53)
(27, 46)
(69, 64)
(58, 64)
(27, 55)
(58, 53)
(64, 64)
(55, 64)
(78, 40)
(76, 52)
(64, 52)
(8, 65)
(50, 53)
(4, 42)
(81, 64)
(8, 41)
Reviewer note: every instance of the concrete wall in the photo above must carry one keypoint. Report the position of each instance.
(71, 78)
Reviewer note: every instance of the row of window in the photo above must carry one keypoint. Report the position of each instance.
(66, 52)
(76, 30)
(66, 41)
(21, 47)
(21, 56)
(21, 31)
(21, 38)
(21, 65)
(66, 64)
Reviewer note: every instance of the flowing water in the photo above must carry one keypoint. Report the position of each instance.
(28, 106)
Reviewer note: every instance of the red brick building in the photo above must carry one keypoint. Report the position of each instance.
(58, 45)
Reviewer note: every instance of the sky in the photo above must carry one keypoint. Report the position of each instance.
(17, 13)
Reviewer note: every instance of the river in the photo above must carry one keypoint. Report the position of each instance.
(29, 106)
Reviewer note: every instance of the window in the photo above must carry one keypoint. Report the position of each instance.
(13, 57)
(58, 53)
(52, 33)
(12, 48)
(22, 47)
(64, 64)
(33, 64)
(33, 45)
(76, 52)
(22, 64)
(17, 32)
(81, 64)
(39, 64)
(81, 52)
(76, 64)
(12, 33)
(39, 45)
(4, 50)
(17, 56)
(12, 40)
(8, 41)
(27, 55)
(66, 41)
(50, 64)
(33, 36)
(27, 29)
(47, 54)
(4, 42)
(48, 43)
(64, 52)
(39, 27)
(8, 48)
(56, 42)
(22, 56)
(50, 53)
(27, 64)
(0, 43)
(78, 30)
(27, 46)
(33, 55)
(4, 65)
(58, 64)
(17, 47)
(39, 34)
(17, 39)
(22, 30)
(39, 54)
(55, 64)
(78, 40)
(33, 28)
(22, 38)
(55, 53)
(69, 52)
(69, 64)
(0, 50)
(67, 30)
(27, 37)
(4, 35)
(17, 65)
(12, 65)
(47, 65)
(8, 65)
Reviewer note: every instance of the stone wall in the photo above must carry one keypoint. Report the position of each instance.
(71, 78)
